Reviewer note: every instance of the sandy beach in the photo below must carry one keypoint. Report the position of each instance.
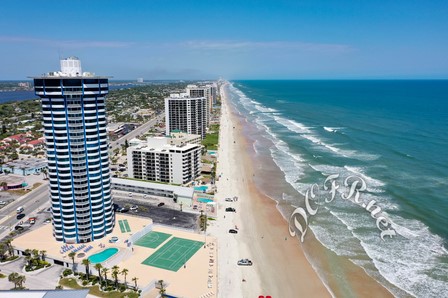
(280, 267)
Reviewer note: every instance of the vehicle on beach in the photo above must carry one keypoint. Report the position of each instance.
(230, 209)
(160, 204)
(245, 262)
(233, 231)
(229, 200)
(113, 239)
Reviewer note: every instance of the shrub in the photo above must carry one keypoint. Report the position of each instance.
(122, 288)
(85, 283)
(67, 272)
(76, 274)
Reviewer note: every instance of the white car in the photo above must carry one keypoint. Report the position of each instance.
(2, 203)
(134, 208)
(245, 262)
(229, 200)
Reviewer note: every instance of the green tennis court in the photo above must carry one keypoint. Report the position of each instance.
(152, 239)
(173, 254)
(124, 226)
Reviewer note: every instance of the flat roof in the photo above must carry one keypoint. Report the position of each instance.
(179, 190)
(70, 77)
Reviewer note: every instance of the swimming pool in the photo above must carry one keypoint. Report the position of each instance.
(103, 256)
(204, 200)
(202, 188)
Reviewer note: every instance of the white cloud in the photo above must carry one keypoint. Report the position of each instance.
(294, 45)
(66, 43)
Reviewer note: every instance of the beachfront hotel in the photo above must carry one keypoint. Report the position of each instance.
(159, 160)
(186, 114)
(74, 120)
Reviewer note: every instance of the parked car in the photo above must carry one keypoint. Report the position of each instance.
(2, 203)
(160, 204)
(230, 209)
(233, 231)
(245, 262)
(134, 208)
(229, 200)
(123, 210)
(47, 221)
(20, 216)
(32, 220)
(19, 228)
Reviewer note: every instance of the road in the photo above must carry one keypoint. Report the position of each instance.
(136, 132)
(30, 202)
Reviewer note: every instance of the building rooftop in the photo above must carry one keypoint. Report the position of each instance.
(179, 190)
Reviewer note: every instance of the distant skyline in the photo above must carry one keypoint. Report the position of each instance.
(158, 39)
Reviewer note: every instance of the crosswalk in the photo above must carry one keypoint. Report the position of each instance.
(4, 227)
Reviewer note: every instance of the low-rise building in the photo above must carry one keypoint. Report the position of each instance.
(179, 194)
(25, 167)
(178, 138)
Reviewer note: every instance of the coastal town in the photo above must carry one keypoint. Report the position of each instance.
(172, 206)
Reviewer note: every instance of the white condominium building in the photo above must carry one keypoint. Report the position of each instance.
(158, 160)
(186, 114)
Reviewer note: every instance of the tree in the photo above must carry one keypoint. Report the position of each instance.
(135, 282)
(162, 289)
(3, 250)
(44, 172)
(36, 254)
(125, 273)
(86, 263)
(98, 268)
(72, 256)
(43, 254)
(10, 247)
(104, 271)
(21, 280)
(115, 272)
(13, 277)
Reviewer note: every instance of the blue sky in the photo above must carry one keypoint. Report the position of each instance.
(170, 39)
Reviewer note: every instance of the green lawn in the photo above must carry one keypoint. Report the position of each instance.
(211, 139)
(95, 290)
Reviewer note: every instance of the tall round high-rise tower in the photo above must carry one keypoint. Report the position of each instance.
(74, 120)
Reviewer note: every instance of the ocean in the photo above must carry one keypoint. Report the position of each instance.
(390, 135)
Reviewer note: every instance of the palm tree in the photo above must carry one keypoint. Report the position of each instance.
(86, 263)
(13, 278)
(44, 172)
(21, 280)
(135, 282)
(43, 254)
(125, 273)
(104, 271)
(98, 267)
(115, 272)
(10, 247)
(162, 289)
(36, 254)
(72, 256)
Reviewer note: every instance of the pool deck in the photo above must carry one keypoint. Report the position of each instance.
(198, 278)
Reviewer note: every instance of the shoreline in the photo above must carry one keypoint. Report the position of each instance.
(283, 267)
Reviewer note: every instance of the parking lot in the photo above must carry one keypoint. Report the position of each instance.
(162, 215)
